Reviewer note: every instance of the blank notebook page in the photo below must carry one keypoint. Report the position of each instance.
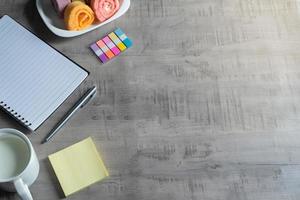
(34, 78)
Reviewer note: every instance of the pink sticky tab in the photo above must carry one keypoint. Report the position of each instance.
(106, 39)
(111, 45)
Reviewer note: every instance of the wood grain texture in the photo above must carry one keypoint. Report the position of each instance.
(205, 105)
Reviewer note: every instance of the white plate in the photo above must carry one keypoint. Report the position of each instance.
(57, 26)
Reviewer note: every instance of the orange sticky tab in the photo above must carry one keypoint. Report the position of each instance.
(105, 49)
(109, 54)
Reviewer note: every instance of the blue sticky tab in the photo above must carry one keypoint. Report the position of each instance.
(127, 42)
(119, 32)
(123, 37)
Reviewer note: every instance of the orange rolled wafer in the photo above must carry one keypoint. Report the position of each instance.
(78, 16)
(104, 9)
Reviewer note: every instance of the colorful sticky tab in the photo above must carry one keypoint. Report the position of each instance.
(105, 49)
(99, 53)
(111, 45)
(123, 37)
(117, 41)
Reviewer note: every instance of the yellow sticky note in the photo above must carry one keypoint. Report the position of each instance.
(78, 166)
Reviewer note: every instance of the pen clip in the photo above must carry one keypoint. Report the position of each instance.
(88, 100)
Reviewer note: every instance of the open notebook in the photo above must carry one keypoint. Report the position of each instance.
(35, 78)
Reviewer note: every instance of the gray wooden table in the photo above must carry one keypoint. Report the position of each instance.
(205, 105)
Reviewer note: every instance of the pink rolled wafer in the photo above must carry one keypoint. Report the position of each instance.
(104, 9)
(60, 5)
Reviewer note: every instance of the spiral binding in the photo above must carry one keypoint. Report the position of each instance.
(14, 113)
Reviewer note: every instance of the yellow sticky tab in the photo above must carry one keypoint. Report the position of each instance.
(78, 166)
(121, 46)
(117, 41)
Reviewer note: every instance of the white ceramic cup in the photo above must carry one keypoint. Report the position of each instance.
(19, 166)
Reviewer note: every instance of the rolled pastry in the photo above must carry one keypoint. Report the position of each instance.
(78, 16)
(104, 9)
(60, 5)
(83, 1)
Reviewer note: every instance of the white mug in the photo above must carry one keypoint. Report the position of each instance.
(19, 166)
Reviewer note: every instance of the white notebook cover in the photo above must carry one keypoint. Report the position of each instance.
(35, 79)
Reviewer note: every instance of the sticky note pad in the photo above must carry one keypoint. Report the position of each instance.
(99, 53)
(105, 49)
(123, 37)
(117, 41)
(78, 166)
(111, 45)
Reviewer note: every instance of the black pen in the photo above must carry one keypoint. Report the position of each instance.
(80, 103)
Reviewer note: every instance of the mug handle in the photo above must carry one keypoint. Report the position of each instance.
(22, 189)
